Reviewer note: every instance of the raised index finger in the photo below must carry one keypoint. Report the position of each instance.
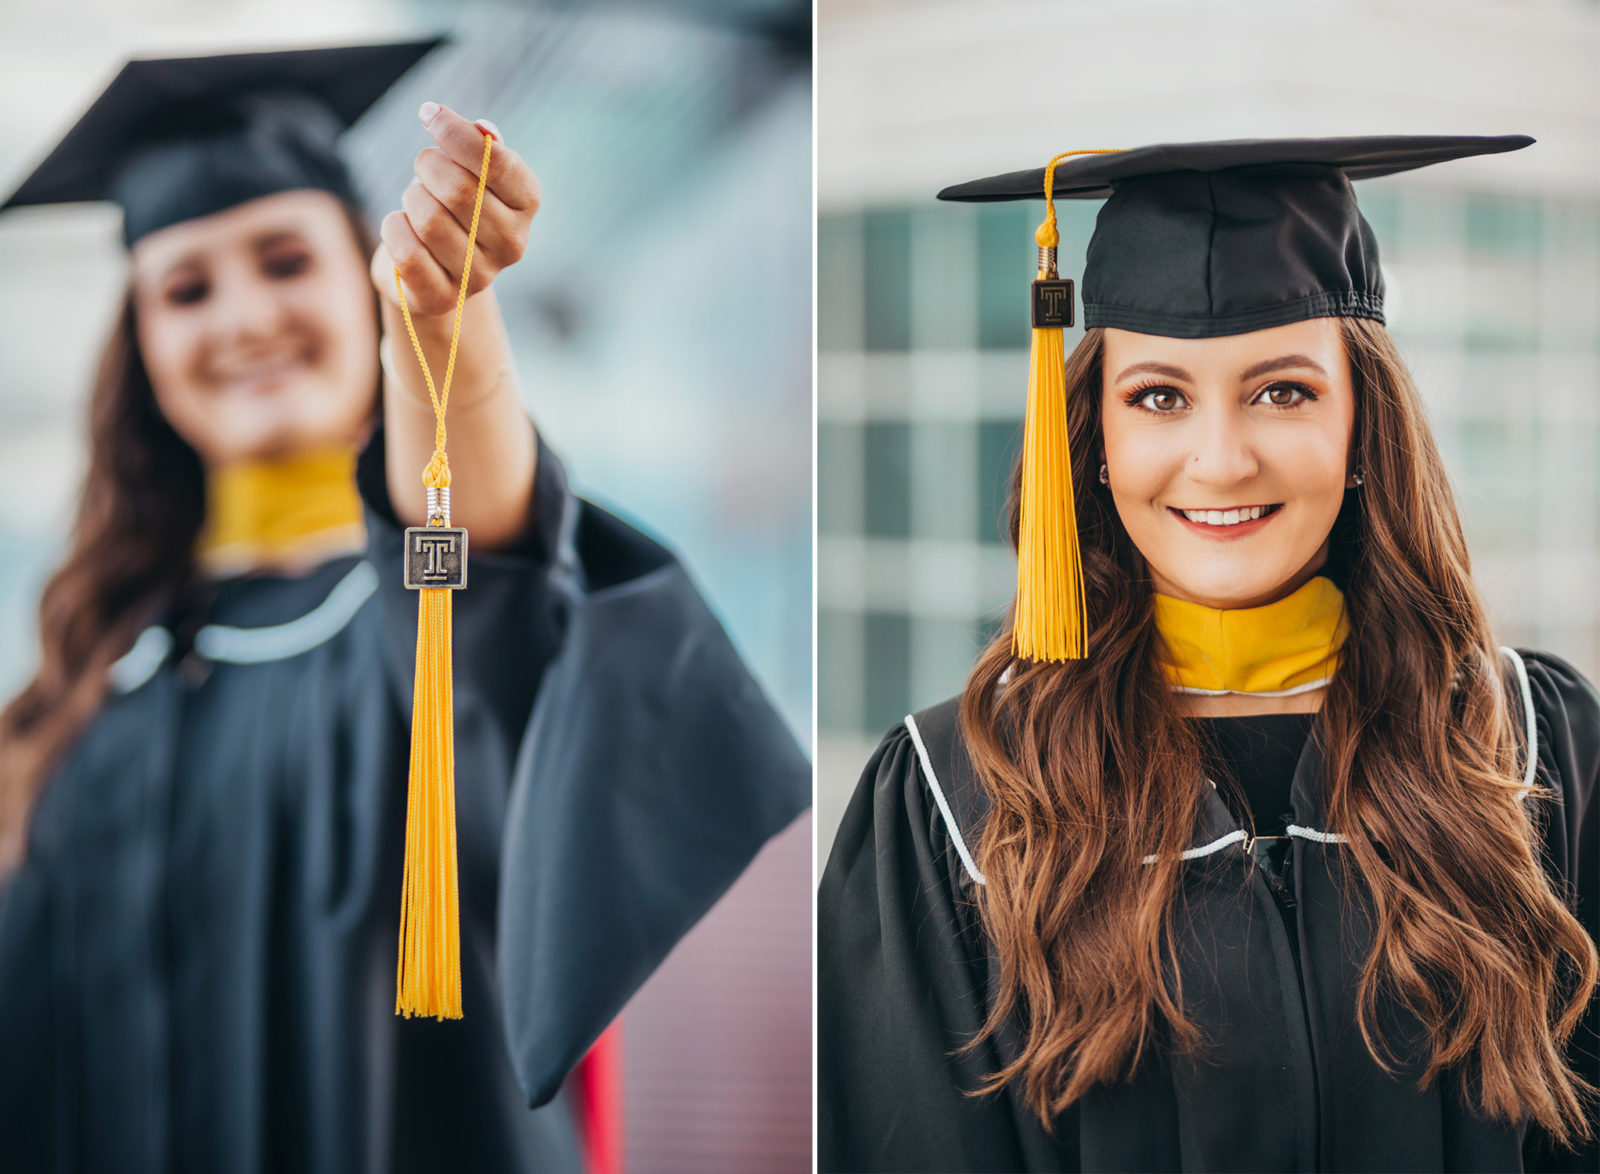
(509, 177)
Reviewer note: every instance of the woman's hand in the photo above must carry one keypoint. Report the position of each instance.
(427, 237)
(491, 445)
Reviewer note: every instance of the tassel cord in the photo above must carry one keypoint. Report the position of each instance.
(437, 474)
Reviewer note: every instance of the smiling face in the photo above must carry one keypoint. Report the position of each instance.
(1229, 457)
(257, 327)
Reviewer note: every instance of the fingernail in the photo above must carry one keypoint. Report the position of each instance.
(429, 111)
(491, 128)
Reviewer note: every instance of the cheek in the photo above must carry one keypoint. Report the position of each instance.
(339, 314)
(1313, 463)
(166, 343)
(170, 346)
(1142, 461)
(342, 306)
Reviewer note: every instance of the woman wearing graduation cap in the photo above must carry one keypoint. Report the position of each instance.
(203, 789)
(1246, 846)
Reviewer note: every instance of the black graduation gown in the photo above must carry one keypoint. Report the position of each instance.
(197, 958)
(904, 969)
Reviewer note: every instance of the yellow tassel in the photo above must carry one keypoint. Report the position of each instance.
(428, 974)
(1051, 620)
(429, 978)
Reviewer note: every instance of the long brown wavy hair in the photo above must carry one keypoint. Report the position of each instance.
(130, 556)
(1089, 765)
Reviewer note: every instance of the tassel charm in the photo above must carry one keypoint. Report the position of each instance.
(436, 554)
(428, 974)
(1052, 295)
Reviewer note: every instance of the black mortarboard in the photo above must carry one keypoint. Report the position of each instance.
(1195, 240)
(1203, 239)
(183, 137)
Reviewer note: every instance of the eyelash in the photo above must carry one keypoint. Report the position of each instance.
(1134, 396)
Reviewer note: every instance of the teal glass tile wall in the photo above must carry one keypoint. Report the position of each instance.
(923, 334)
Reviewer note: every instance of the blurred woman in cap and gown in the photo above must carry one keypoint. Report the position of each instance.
(203, 785)
(1246, 847)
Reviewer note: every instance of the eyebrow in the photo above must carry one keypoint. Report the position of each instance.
(1282, 362)
(276, 236)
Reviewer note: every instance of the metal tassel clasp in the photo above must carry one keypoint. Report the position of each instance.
(436, 554)
(1052, 294)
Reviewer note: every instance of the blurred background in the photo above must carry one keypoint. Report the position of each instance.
(662, 326)
(1492, 267)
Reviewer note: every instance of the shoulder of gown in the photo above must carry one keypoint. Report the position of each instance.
(901, 968)
(1566, 710)
(1566, 732)
(651, 768)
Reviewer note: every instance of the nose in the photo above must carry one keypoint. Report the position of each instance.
(244, 308)
(1224, 453)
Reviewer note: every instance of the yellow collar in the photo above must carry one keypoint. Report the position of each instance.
(1288, 646)
(303, 508)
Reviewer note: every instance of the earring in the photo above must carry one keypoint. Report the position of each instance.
(1105, 476)
(1358, 478)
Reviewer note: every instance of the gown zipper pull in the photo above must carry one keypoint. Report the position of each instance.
(1280, 880)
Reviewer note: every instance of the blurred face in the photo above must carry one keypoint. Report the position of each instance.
(257, 327)
(1229, 457)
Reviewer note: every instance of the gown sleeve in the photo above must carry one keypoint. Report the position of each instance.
(29, 958)
(1567, 723)
(899, 989)
(648, 765)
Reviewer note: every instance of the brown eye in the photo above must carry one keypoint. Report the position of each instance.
(1286, 395)
(1156, 399)
(287, 264)
(188, 293)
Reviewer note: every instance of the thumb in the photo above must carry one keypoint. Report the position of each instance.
(382, 272)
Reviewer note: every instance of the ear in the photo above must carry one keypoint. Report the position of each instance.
(1350, 471)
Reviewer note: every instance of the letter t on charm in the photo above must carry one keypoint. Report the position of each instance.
(436, 554)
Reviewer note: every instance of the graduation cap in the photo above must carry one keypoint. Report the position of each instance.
(1195, 240)
(178, 138)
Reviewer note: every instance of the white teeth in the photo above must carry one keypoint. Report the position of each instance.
(259, 367)
(1225, 517)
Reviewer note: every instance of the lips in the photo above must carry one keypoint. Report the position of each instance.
(1222, 529)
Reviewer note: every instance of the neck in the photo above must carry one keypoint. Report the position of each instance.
(285, 513)
(1246, 705)
(1275, 658)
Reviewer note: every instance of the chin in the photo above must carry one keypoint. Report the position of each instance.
(1227, 588)
(278, 434)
